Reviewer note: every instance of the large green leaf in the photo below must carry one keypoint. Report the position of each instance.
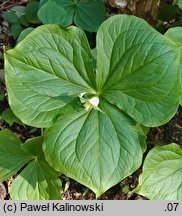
(12, 18)
(140, 70)
(96, 148)
(162, 174)
(86, 14)
(12, 157)
(38, 181)
(175, 34)
(53, 67)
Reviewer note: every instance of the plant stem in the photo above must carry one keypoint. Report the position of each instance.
(42, 132)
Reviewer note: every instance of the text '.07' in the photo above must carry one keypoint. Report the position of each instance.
(172, 207)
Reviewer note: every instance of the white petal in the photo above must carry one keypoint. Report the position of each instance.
(82, 100)
(94, 101)
(81, 94)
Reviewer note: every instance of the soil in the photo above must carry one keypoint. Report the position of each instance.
(168, 133)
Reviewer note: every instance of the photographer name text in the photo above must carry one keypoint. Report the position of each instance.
(53, 207)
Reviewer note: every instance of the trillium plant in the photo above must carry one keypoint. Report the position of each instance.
(94, 119)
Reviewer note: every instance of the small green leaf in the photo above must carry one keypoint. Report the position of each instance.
(53, 13)
(15, 30)
(180, 4)
(11, 17)
(24, 34)
(12, 157)
(38, 181)
(31, 12)
(125, 189)
(162, 174)
(89, 15)
(18, 10)
(9, 117)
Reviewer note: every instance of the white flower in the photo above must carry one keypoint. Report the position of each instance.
(89, 103)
